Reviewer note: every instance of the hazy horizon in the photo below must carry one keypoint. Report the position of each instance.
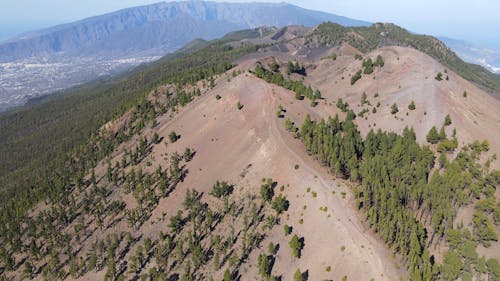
(446, 18)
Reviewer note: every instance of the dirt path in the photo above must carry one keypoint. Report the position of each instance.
(379, 261)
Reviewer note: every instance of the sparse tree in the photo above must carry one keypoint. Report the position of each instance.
(173, 137)
(394, 109)
(296, 245)
(447, 120)
(411, 106)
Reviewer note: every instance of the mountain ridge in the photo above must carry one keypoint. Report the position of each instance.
(234, 15)
(39, 63)
(289, 117)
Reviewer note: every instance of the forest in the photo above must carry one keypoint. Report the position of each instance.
(59, 140)
(49, 134)
(410, 200)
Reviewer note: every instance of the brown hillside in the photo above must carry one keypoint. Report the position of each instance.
(245, 145)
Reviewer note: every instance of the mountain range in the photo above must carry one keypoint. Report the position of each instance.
(44, 61)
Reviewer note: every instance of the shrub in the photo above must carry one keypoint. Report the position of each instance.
(239, 105)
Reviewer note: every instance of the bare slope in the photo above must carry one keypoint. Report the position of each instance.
(228, 140)
(409, 75)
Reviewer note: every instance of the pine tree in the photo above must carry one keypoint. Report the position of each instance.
(411, 106)
(394, 109)
(379, 61)
(296, 246)
(447, 120)
(297, 276)
(433, 136)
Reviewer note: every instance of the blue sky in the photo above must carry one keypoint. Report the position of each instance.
(475, 21)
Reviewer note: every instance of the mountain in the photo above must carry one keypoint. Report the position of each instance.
(335, 153)
(44, 61)
(472, 53)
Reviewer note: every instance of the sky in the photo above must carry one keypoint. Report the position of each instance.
(475, 21)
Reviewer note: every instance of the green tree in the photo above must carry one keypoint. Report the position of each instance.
(356, 77)
(452, 266)
(439, 76)
(394, 108)
(368, 65)
(280, 204)
(221, 189)
(379, 61)
(267, 191)
(433, 136)
(287, 229)
(228, 276)
(447, 120)
(411, 106)
(272, 248)
(28, 270)
(297, 276)
(156, 138)
(264, 266)
(173, 137)
(296, 245)
(493, 269)
(483, 228)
